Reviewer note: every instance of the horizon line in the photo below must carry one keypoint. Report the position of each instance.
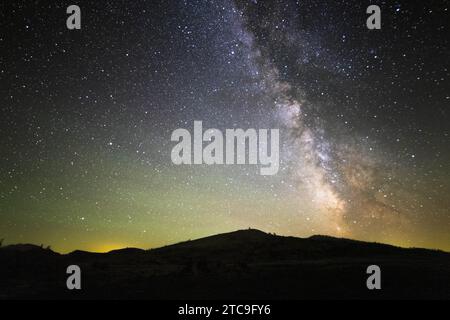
(49, 247)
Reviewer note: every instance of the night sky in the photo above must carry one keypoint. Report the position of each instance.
(87, 116)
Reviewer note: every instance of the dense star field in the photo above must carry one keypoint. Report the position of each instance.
(87, 116)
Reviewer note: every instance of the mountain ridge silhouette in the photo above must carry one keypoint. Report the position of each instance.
(243, 235)
(243, 264)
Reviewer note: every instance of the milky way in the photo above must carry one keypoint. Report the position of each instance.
(87, 117)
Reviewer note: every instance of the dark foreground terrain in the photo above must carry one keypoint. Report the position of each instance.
(247, 264)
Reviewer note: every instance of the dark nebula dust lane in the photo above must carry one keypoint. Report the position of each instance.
(87, 117)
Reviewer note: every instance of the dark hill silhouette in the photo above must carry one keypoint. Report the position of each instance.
(128, 251)
(26, 248)
(241, 264)
(255, 245)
